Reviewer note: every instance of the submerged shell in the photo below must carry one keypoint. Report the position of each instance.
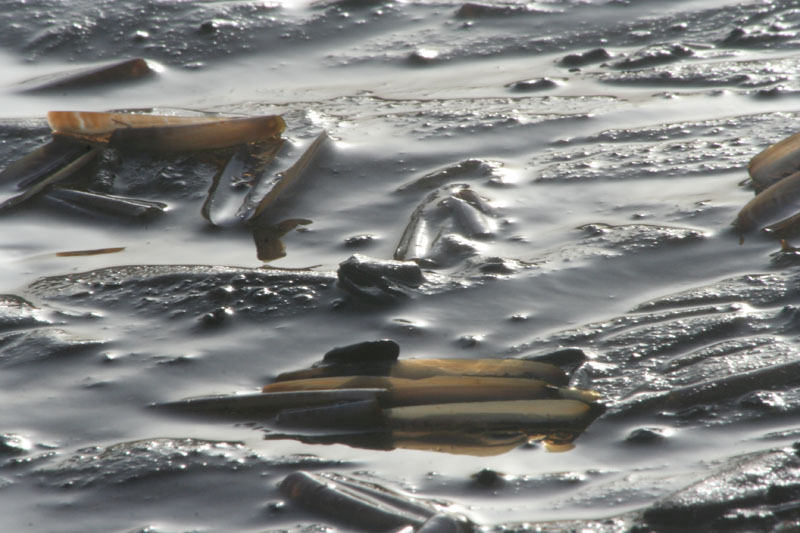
(43, 182)
(107, 203)
(113, 73)
(42, 162)
(165, 133)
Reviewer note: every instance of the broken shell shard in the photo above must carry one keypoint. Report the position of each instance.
(165, 133)
(776, 162)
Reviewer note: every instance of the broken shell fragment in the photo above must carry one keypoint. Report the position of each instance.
(165, 133)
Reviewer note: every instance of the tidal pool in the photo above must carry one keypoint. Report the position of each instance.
(610, 139)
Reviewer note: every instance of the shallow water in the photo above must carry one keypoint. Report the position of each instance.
(657, 144)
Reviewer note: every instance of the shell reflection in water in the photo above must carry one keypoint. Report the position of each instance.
(461, 406)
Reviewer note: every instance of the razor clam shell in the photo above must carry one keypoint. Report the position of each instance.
(227, 191)
(196, 137)
(277, 185)
(785, 228)
(113, 73)
(164, 133)
(509, 368)
(324, 495)
(775, 203)
(423, 368)
(61, 174)
(433, 390)
(107, 203)
(232, 186)
(776, 162)
(347, 416)
(470, 218)
(520, 415)
(417, 240)
(43, 161)
(102, 124)
(263, 406)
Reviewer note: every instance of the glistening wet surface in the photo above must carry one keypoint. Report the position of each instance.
(607, 142)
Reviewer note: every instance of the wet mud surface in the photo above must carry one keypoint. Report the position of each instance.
(603, 164)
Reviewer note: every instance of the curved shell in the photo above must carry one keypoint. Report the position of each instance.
(776, 202)
(165, 133)
(776, 162)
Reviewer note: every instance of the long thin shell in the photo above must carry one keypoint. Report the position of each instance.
(417, 239)
(163, 133)
(266, 405)
(423, 368)
(60, 175)
(776, 162)
(43, 161)
(119, 71)
(233, 184)
(521, 415)
(776, 202)
(438, 389)
(288, 177)
(509, 368)
(322, 494)
(108, 203)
